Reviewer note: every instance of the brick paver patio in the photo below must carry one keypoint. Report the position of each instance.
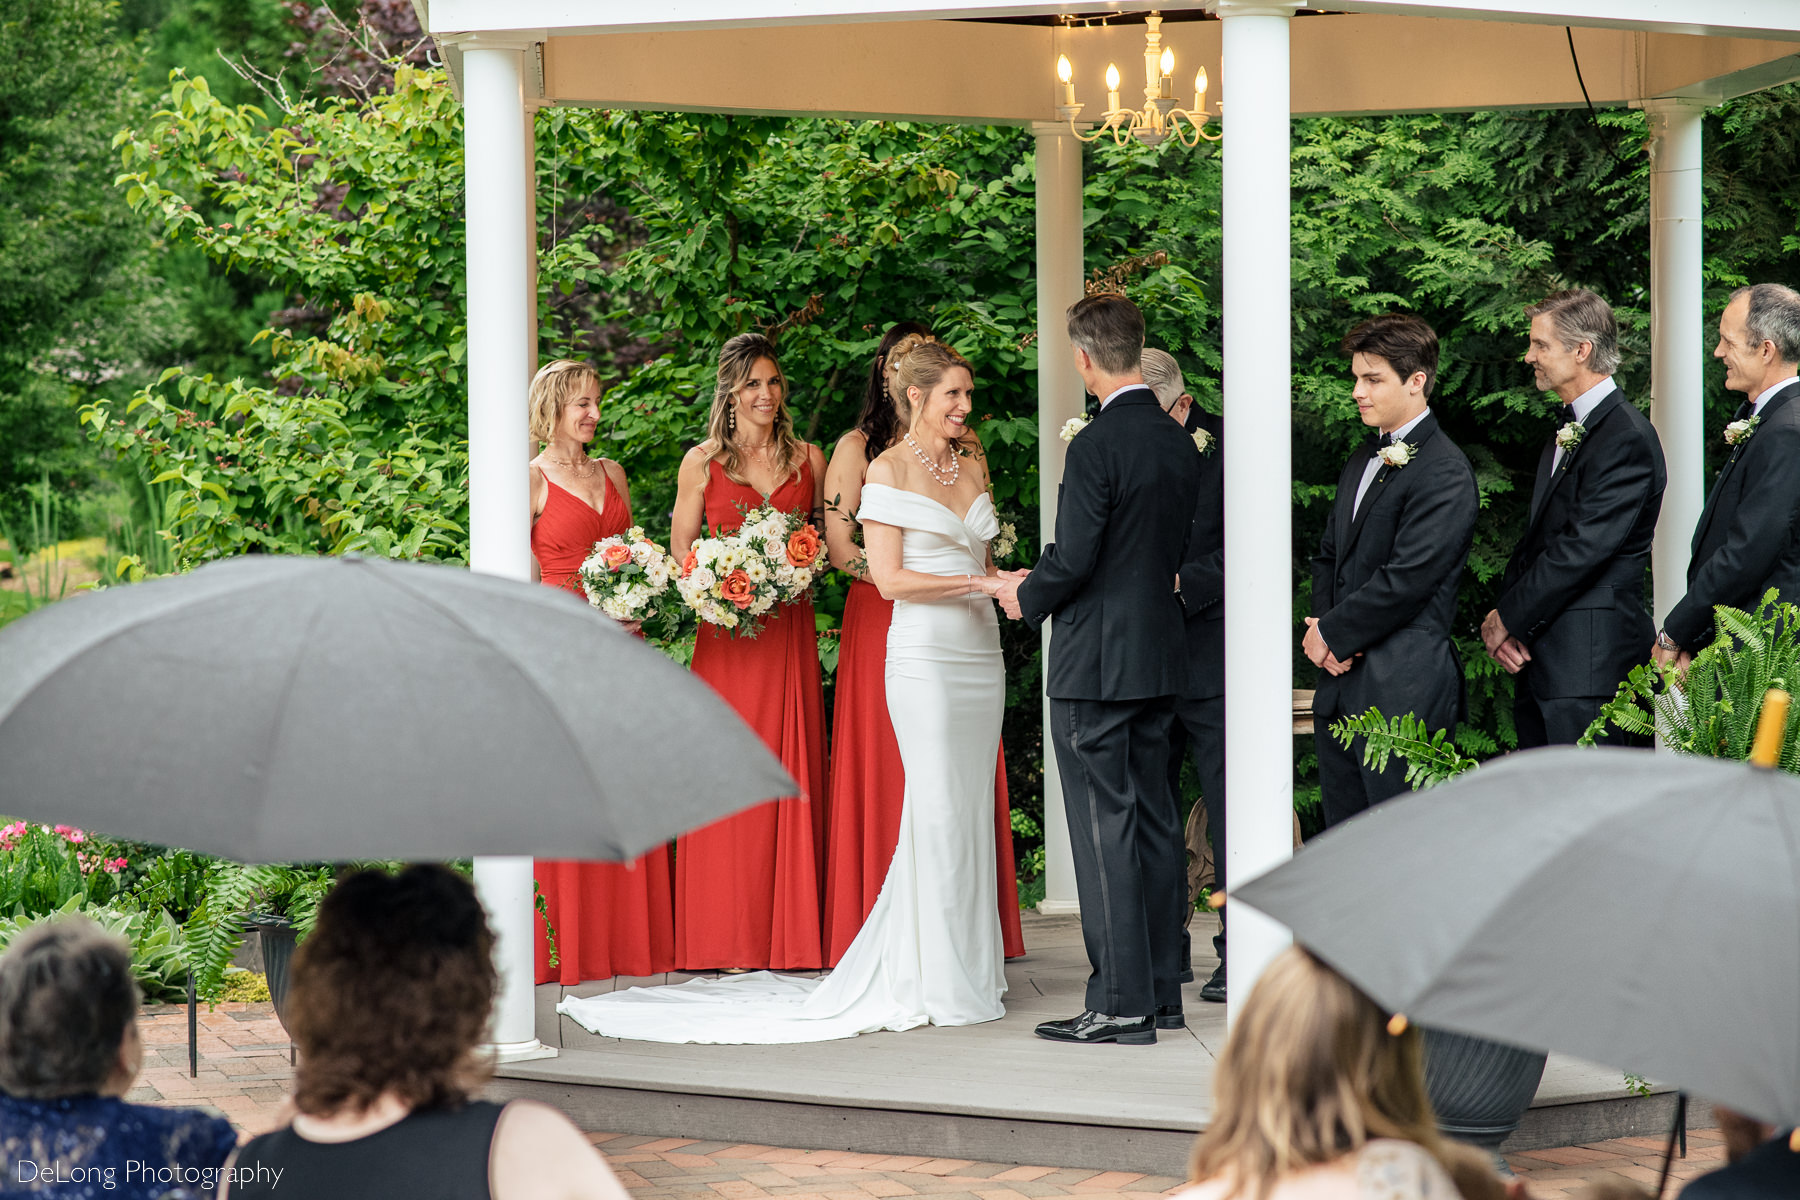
(244, 1075)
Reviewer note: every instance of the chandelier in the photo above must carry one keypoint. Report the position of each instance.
(1159, 118)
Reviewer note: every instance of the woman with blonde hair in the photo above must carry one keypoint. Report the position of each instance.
(747, 887)
(867, 782)
(1316, 1098)
(608, 918)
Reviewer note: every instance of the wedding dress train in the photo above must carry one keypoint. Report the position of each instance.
(930, 951)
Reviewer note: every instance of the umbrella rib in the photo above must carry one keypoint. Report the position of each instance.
(454, 618)
(267, 773)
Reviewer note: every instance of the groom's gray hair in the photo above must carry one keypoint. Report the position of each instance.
(1163, 374)
(1110, 329)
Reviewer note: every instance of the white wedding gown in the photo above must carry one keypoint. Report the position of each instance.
(930, 950)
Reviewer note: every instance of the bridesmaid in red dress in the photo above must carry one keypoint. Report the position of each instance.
(868, 781)
(610, 918)
(747, 887)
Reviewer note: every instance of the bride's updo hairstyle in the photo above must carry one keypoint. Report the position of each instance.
(737, 361)
(920, 361)
(885, 413)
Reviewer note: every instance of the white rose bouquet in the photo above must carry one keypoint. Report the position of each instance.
(734, 581)
(631, 578)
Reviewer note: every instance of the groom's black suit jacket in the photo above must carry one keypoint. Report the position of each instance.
(1123, 512)
(1385, 580)
(1748, 538)
(1573, 592)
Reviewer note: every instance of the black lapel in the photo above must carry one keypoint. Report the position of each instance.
(1541, 492)
(1353, 473)
(1783, 394)
(1421, 433)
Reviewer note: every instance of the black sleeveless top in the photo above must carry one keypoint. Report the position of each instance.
(437, 1155)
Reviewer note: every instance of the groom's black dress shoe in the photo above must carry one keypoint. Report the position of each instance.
(1214, 989)
(1168, 1016)
(1093, 1027)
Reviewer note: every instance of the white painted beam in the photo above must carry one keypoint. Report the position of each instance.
(1060, 271)
(1259, 584)
(1678, 340)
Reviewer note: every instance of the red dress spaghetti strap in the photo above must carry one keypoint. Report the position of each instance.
(747, 887)
(868, 784)
(610, 918)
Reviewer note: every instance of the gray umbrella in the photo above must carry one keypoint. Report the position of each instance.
(279, 709)
(1633, 908)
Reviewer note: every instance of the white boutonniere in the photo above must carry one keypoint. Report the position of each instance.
(1395, 454)
(1570, 435)
(1071, 427)
(1738, 432)
(1204, 441)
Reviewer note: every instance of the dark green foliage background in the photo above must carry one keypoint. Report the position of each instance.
(663, 234)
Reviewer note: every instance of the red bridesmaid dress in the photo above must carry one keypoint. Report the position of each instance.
(747, 887)
(610, 918)
(868, 784)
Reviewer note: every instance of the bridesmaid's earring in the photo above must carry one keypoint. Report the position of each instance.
(731, 419)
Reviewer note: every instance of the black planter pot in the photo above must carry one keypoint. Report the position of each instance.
(1479, 1089)
(277, 936)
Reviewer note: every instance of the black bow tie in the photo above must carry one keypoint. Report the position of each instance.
(1745, 410)
(1386, 439)
(1568, 414)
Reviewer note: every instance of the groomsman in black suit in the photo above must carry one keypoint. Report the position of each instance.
(1199, 722)
(1122, 518)
(1748, 539)
(1389, 563)
(1571, 620)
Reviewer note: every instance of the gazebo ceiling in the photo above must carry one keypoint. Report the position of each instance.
(871, 59)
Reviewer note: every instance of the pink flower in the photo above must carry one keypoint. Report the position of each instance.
(115, 866)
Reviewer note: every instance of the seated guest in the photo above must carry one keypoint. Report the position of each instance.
(69, 1051)
(389, 1006)
(1763, 1162)
(1315, 1099)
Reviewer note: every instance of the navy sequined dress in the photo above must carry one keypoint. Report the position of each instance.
(78, 1147)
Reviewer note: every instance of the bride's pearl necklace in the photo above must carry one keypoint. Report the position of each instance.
(947, 477)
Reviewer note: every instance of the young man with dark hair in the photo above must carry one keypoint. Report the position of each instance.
(1571, 619)
(1385, 579)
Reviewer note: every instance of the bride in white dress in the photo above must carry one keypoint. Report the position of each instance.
(930, 951)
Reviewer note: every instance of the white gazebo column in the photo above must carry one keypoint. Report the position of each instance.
(1259, 585)
(502, 356)
(1060, 393)
(1677, 336)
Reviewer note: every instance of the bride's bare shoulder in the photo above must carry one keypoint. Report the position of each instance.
(888, 469)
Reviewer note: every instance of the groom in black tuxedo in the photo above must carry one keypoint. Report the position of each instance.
(1114, 667)
(1571, 620)
(1389, 563)
(1748, 538)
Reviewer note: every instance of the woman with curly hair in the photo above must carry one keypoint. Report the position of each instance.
(390, 1002)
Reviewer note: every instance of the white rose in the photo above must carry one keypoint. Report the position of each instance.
(1071, 427)
(703, 580)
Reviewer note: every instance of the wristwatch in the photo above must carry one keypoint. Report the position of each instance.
(1665, 642)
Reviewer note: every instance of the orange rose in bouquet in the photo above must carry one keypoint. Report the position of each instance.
(615, 555)
(737, 588)
(803, 547)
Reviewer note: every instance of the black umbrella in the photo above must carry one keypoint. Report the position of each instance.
(1628, 907)
(282, 709)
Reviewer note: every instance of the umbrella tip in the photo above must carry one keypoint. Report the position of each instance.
(1397, 1024)
(1771, 729)
(1216, 901)
(1794, 1141)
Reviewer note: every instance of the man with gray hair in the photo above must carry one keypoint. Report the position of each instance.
(1571, 620)
(1748, 538)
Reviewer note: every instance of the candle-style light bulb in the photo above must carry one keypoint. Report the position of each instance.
(1200, 82)
(1168, 62)
(1112, 77)
(1064, 72)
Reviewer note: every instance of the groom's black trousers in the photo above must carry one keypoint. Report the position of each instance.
(1130, 861)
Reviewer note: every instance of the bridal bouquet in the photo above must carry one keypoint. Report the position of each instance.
(734, 581)
(629, 578)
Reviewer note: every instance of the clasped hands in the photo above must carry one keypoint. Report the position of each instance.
(1008, 595)
(1502, 646)
(1320, 654)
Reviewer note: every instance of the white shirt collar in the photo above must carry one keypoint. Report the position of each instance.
(1117, 392)
(1399, 434)
(1590, 399)
(1756, 408)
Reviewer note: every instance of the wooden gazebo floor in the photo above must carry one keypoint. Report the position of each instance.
(990, 1092)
